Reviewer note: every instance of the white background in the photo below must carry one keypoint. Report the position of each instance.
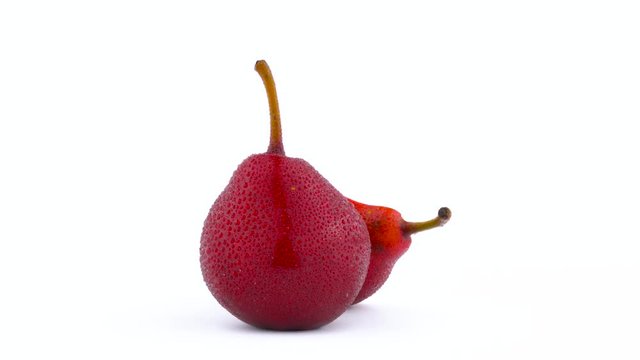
(121, 122)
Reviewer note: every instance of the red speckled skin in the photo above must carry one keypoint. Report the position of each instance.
(388, 243)
(281, 248)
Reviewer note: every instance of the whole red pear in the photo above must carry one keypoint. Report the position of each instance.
(281, 248)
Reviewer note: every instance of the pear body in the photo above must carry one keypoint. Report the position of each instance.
(281, 248)
(388, 243)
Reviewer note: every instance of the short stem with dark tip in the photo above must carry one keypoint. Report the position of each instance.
(275, 143)
(444, 214)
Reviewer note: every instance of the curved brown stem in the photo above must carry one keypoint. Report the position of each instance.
(275, 143)
(444, 214)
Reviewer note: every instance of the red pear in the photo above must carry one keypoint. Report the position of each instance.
(390, 237)
(281, 248)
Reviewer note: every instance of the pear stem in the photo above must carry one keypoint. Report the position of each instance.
(444, 214)
(275, 143)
